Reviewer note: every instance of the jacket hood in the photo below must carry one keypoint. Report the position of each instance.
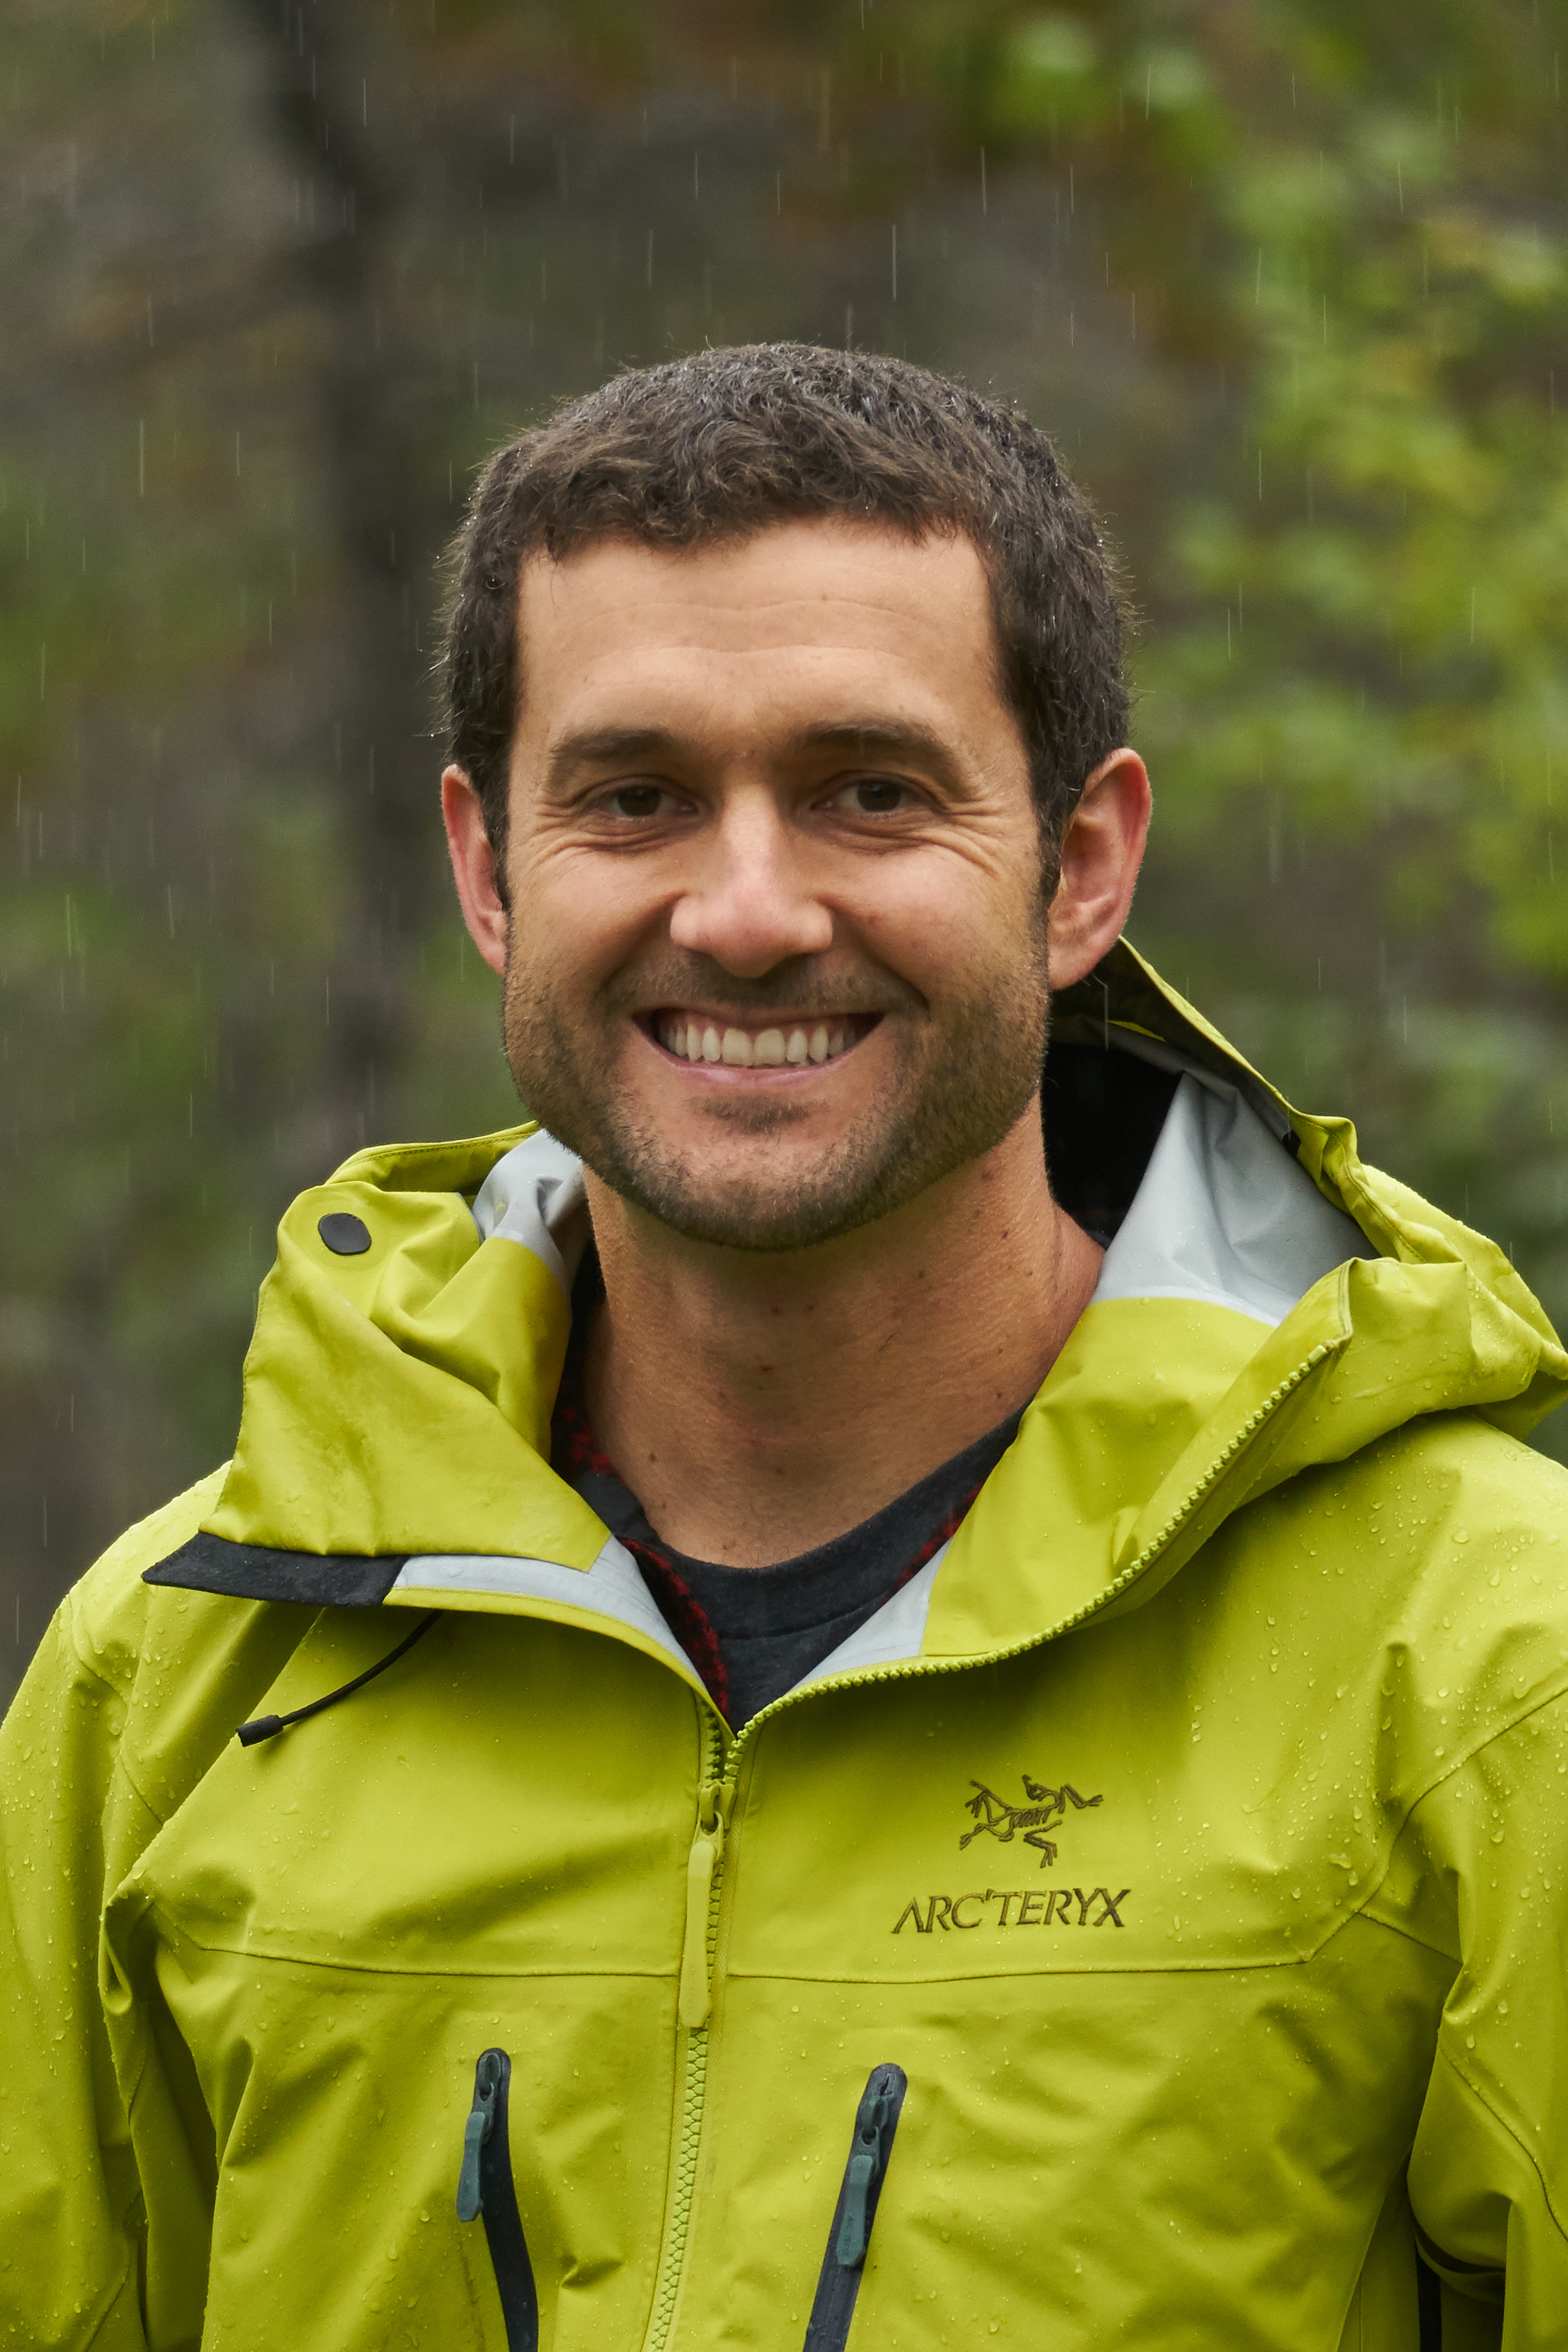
(1267, 1303)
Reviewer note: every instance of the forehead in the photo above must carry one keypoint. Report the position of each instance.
(800, 606)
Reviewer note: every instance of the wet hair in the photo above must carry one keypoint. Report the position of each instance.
(719, 445)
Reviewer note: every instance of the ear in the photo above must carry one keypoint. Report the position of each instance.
(474, 868)
(1101, 851)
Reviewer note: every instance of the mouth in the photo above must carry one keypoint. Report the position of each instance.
(760, 1043)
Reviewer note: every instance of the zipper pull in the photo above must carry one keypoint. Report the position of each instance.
(486, 2186)
(855, 2214)
(476, 2132)
(861, 2175)
(706, 1848)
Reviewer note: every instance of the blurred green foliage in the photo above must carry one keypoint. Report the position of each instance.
(1287, 280)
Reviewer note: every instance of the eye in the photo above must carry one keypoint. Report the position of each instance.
(638, 801)
(873, 796)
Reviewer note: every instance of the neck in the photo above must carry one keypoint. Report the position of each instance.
(759, 1404)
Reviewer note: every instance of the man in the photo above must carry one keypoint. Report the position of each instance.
(879, 1702)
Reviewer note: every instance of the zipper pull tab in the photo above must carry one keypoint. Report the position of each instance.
(475, 2131)
(860, 2177)
(486, 2186)
(855, 2213)
(706, 1847)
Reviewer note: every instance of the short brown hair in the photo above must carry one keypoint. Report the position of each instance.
(720, 444)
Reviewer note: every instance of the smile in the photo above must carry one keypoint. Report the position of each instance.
(697, 1037)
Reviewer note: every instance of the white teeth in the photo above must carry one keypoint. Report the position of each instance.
(770, 1049)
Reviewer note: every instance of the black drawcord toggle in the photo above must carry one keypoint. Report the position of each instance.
(267, 1727)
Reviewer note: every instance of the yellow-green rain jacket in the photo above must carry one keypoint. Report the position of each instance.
(1151, 1919)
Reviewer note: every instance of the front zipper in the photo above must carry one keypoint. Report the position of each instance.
(716, 1796)
(714, 1800)
(848, 2240)
(485, 2185)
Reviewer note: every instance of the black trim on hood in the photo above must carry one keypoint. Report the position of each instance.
(251, 1572)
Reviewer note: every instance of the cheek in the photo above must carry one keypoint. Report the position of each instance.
(943, 929)
(576, 918)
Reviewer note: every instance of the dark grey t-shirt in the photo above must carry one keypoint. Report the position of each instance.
(753, 1633)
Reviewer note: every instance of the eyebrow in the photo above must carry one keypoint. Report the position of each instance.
(889, 735)
(605, 746)
(595, 747)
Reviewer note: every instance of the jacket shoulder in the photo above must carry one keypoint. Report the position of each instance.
(1465, 1505)
(108, 1607)
(184, 1668)
(1459, 1535)
(1475, 1479)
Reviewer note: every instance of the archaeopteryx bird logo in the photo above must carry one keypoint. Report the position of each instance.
(1046, 1809)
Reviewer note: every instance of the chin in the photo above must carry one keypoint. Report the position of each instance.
(766, 1210)
(744, 1216)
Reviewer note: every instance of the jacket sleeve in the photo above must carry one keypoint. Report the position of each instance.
(1488, 2172)
(131, 1692)
(70, 2212)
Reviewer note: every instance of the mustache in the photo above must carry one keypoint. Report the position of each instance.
(804, 986)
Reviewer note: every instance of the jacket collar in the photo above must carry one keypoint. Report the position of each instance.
(1267, 1303)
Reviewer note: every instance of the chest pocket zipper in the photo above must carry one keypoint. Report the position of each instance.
(838, 2285)
(486, 2186)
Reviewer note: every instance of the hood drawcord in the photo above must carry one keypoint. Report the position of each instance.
(267, 1727)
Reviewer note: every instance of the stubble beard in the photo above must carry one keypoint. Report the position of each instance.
(965, 1078)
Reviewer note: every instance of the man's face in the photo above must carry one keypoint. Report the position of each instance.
(776, 961)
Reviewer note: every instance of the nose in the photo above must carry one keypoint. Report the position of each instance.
(751, 905)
